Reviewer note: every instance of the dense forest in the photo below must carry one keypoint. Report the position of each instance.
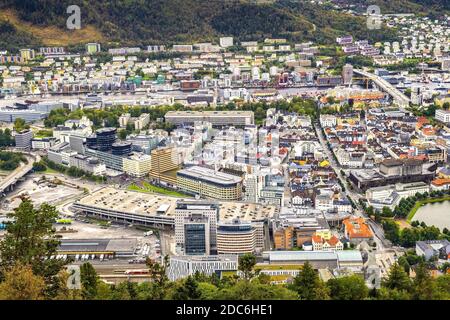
(137, 22)
(12, 39)
(11, 160)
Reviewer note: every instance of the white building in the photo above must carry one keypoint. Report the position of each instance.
(87, 164)
(327, 120)
(123, 119)
(347, 73)
(391, 195)
(184, 266)
(443, 115)
(446, 64)
(182, 48)
(137, 165)
(42, 143)
(253, 184)
(142, 121)
(226, 42)
(185, 209)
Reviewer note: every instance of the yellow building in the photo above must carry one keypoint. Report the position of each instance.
(324, 163)
(137, 165)
(351, 120)
(164, 161)
(324, 234)
(444, 173)
(27, 54)
(210, 183)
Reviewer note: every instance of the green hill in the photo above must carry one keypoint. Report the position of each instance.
(140, 22)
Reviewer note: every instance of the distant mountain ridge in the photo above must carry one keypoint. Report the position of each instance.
(140, 22)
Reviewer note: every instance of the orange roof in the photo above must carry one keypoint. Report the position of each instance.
(333, 241)
(422, 120)
(440, 182)
(357, 228)
(283, 150)
(428, 131)
(316, 239)
(421, 157)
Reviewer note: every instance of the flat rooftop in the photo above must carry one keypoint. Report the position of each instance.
(98, 245)
(210, 175)
(295, 256)
(209, 113)
(147, 204)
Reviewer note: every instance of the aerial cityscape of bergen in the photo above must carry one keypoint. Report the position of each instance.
(225, 150)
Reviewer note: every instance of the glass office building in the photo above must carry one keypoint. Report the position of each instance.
(196, 233)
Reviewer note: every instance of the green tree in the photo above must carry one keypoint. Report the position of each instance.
(19, 125)
(391, 230)
(443, 286)
(348, 288)
(30, 240)
(392, 294)
(39, 166)
(397, 279)
(187, 290)
(246, 264)
(386, 212)
(89, 281)
(122, 134)
(308, 285)
(208, 291)
(424, 287)
(159, 277)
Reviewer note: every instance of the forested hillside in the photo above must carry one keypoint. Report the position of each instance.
(139, 22)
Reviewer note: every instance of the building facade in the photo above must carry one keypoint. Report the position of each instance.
(210, 183)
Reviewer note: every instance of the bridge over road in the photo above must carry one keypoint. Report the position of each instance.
(8, 183)
(399, 98)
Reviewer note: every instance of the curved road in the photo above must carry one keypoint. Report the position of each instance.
(19, 172)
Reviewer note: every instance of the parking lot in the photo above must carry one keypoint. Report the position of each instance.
(43, 191)
(84, 228)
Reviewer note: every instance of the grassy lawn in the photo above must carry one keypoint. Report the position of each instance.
(279, 267)
(424, 202)
(49, 170)
(149, 188)
(228, 273)
(279, 277)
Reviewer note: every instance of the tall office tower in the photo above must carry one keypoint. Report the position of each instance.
(253, 186)
(164, 162)
(105, 138)
(23, 139)
(196, 235)
(190, 217)
(164, 159)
